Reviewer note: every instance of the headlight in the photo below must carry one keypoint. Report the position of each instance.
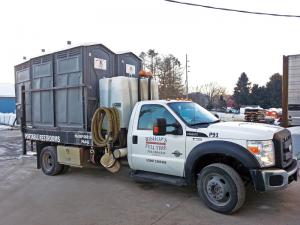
(263, 151)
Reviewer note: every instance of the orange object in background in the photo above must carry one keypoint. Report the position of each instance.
(144, 73)
(272, 114)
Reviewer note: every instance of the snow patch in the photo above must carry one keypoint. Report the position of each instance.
(7, 119)
(4, 127)
(226, 117)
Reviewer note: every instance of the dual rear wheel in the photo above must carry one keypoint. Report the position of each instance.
(49, 163)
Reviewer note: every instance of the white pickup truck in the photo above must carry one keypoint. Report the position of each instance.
(181, 143)
(63, 98)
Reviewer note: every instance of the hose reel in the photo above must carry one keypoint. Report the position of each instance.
(106, 140)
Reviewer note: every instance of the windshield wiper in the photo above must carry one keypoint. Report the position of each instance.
(204, 123)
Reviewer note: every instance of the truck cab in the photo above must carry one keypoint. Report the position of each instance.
(181, 142)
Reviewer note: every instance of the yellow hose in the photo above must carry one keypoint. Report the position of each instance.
(113, 126)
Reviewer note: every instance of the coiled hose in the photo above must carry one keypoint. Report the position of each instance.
(113, 128)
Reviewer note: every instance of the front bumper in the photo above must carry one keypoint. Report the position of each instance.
(274, 179)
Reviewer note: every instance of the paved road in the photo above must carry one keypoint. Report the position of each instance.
(95, 197)
(10, 143)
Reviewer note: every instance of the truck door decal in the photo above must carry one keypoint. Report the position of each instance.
(156, 145)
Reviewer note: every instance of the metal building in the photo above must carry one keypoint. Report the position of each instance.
(7, 98)
(291, 90)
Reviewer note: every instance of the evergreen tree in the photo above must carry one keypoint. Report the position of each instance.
(258, 96)
(269, 95)
(242, 90)
(274, 90)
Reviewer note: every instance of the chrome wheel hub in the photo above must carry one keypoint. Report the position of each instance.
(217, 189)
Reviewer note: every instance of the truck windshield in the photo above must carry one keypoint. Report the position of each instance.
(192, 114)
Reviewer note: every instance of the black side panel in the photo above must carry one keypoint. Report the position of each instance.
(99, 61)
(294, 107)
(80, 138)
(283, 154)
(218, 147)
(195, 134)
(258, 180)
(22, 77)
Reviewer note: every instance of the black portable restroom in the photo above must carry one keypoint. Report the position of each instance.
(62, 88)
(128, 64)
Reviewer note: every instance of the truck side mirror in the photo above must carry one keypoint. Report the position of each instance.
(159, 127)
(178, 129)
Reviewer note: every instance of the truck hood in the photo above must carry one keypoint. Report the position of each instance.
(242, 130)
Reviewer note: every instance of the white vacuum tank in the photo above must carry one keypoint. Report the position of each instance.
(122, 93)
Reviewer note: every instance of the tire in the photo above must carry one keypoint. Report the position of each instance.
(221, 188)
(48, 161)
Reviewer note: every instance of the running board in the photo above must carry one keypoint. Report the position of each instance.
(144, 176)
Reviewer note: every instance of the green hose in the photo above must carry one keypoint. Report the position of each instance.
(112, 130)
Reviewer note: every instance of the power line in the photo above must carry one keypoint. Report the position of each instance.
(234, 10)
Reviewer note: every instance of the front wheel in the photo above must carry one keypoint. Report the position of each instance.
(221, 188)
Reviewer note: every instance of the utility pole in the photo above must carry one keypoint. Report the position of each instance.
(285, 83)
(186, 76)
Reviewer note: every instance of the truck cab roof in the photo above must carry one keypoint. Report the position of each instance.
(164, 101)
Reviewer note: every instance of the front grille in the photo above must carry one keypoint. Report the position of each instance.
(283, 148)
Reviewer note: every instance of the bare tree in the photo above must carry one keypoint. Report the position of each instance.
(152, 54)
(213, 92)
(168, 72)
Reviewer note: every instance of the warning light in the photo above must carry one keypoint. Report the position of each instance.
(155, 130)
(144, 73)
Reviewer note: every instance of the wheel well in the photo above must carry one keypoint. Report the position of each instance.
(220, 158)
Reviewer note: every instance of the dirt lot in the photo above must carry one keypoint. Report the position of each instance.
(94, 196)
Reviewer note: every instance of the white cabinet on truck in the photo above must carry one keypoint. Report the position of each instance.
(122, 93)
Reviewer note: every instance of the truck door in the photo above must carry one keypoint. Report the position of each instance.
(160, 154)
